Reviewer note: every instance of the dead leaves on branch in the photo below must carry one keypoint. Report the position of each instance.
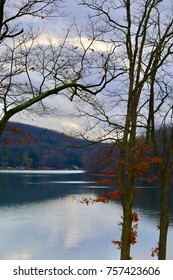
(133, 234)
(155, 251)
(143, 165)
(143, 160)
(104, 198)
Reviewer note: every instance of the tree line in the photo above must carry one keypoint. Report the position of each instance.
(31, 147)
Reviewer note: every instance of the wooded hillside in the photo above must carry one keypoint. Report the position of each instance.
(27, 146)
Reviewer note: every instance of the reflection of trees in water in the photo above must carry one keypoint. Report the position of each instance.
(16, 189)
(149, 199)
(28, 188)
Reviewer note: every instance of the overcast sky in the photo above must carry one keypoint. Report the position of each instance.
(65, 122)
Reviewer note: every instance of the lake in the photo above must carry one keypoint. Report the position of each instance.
(40, 220)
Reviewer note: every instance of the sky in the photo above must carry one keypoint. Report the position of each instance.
(64, 121)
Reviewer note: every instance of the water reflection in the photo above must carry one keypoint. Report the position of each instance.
(41, 221)
(70, 231)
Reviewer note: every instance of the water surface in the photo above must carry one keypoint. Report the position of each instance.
(40, 220)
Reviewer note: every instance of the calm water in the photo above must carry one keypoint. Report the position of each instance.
(40, 220)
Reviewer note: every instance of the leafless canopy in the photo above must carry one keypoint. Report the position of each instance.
(140, 33)
(33, 67)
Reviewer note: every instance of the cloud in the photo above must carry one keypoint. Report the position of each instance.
(70, 124)
(64, 125)
(54, 30)
(60, 118)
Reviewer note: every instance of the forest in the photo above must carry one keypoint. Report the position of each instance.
(31, 147)
(26, 146)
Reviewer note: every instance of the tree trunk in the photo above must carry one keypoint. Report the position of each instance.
(126, 228)
(164, 221)
(127, 185)
(164, 216)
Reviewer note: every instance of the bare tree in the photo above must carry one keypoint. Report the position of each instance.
(141, 33)
(12, 13)
(160, 136)
(32, 70)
